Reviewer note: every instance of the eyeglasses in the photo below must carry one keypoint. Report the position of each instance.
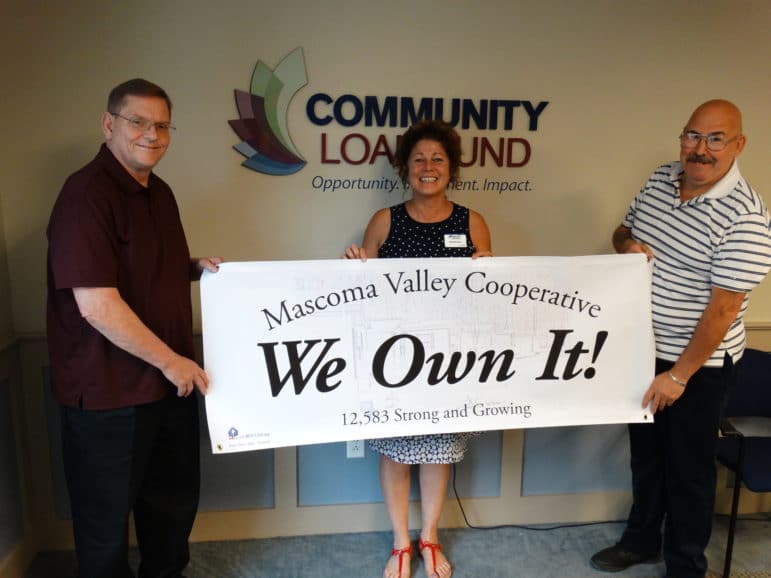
(145, 124)
(715, 141)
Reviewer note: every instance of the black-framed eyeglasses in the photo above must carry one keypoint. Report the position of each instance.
(145, 124)
(715, 142)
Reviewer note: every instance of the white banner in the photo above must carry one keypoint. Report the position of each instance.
(303, 352)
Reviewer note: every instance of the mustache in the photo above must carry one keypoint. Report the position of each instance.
(697, 158)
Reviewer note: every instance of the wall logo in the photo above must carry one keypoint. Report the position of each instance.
(263, 111)
(362, 130)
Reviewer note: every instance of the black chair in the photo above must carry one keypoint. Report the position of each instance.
(745, 445)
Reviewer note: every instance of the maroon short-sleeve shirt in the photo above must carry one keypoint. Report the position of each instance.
(107, 230)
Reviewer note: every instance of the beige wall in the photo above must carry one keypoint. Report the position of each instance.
(621, 79)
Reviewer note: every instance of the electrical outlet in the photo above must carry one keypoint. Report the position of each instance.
(354, 449)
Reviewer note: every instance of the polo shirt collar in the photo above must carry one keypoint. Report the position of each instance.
(726, 184)
(119, 174)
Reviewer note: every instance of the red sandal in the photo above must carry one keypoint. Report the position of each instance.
(431, 546)
(401, 552)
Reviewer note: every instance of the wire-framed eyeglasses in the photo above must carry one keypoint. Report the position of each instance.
(715, 141)
(145, 124)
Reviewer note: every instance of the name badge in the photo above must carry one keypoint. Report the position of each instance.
(455, 240)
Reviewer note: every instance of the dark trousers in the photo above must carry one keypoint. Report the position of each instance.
(674, 474)
(146, 459)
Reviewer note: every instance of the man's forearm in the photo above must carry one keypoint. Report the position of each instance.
(108, 313)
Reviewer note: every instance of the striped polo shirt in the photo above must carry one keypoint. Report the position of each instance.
(718, 239)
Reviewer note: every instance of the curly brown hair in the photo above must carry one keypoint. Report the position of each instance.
(435, 130)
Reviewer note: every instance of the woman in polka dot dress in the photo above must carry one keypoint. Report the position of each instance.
(427, 225)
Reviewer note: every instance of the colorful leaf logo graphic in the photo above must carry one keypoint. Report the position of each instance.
(263, 111)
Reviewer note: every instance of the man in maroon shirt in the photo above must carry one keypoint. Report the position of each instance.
(121, 346)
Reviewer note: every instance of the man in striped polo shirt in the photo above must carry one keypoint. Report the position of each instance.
(707, 233)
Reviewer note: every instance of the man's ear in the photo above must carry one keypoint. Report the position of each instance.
(107, 124)
(740, 142)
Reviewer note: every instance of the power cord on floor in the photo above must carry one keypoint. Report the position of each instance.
(520, 526)
(761, 517)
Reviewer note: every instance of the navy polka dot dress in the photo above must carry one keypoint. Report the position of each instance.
(408, 238)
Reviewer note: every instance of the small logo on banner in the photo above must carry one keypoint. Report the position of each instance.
(262, 126)
(232, 433)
